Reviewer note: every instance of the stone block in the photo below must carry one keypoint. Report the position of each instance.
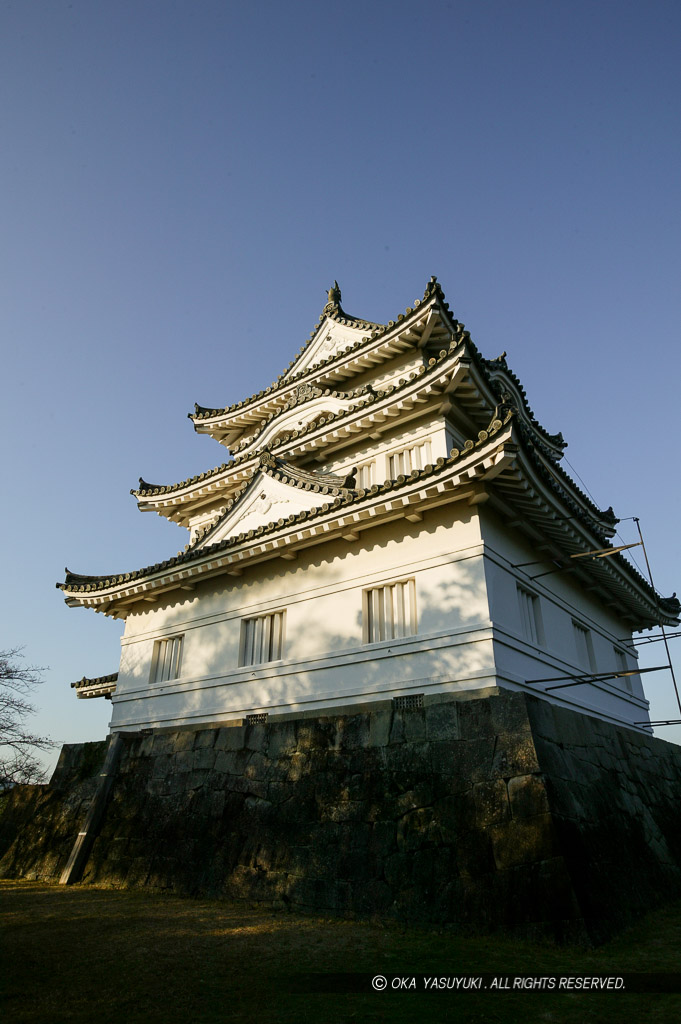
(163, 743)
(226, 762)
(184, 739)
(523, 841)
(382, 841)
(204, 758)
(432, 869)
(161, 766)
(442, 722)
(257, 767)
(469, 760)
(282, 739)
(138, 871)
(257, 806)
(553, 759)
(397, 870)
(199, 778)
(508, 712)
(362, 759)
(527, 795)
(205, 738)
(397, 732)
(417, 829)
(319, 733)
(379, 728)
(397, 758)
(456, 815)
(255, 737)
(514, 754)
(344, 810)
(279, 792)
(475, 719)
(414, 725)
(351, 733)
(491, 803)
(372, 898)
(419, 794)
(475, 854)
(253, 787)
(183, 760)
(296, 766)
(231, 737)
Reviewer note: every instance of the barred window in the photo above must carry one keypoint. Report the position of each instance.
(622, 666)
(366, 474)
(262, 639)
(584, 644)
(530, 616)
(415, 457)
(166, 659)
(389, 612)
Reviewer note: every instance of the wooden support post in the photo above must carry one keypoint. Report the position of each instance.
(86, 837)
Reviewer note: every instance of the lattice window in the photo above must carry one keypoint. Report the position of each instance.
(262, 638)
(410, 702)
(166, 659)
(530, 616)
(415, 457)
(389, 612)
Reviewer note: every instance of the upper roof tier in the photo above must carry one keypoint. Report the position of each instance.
(315, 396)
(342, 347)
(272, 498)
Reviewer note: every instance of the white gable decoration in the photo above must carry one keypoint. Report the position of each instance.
(266, 500)
(332, 337)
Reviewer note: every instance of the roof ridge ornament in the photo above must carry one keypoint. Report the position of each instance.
(334, 299)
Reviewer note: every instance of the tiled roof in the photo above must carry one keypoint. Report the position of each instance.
(76, 583)
(97, 681)
(101, 686)
(284, 379)
(307, 392)
(366, 394)
(500, 363)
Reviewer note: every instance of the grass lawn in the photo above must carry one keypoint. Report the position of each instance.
(87, 954)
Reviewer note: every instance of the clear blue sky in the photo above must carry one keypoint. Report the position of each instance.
(181, 183)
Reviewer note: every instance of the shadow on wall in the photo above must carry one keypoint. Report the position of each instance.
(449, 597)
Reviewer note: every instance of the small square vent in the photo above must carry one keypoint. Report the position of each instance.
(257, 718)
(409, 702)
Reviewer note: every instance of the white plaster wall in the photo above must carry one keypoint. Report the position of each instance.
(462, 570)
(561, 601)
(325, 660)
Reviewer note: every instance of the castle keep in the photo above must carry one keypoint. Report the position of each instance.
(392, 671)
(392, 524)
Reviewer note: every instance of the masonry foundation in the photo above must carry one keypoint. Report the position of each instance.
(500, 813)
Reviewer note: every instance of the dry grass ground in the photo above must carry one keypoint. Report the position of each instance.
(85, 954)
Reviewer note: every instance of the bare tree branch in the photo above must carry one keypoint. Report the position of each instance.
(18, 746)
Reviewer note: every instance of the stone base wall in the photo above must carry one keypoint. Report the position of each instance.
(502, 813)
(39, 824)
